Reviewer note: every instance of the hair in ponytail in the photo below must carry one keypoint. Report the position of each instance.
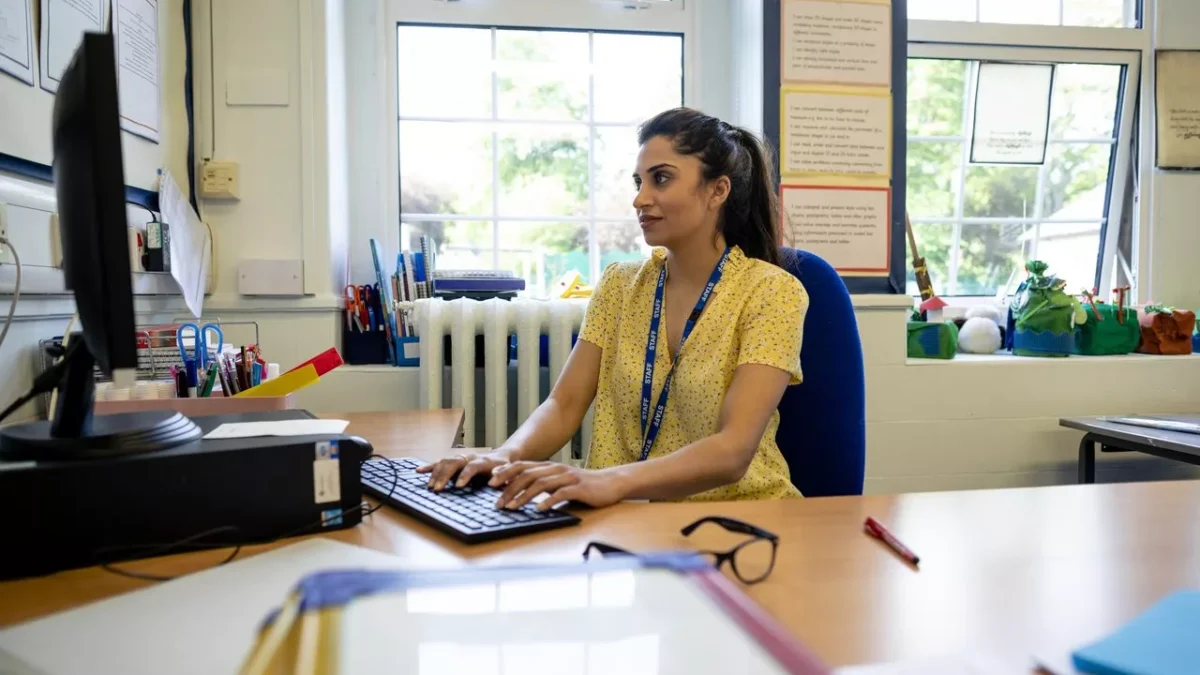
(750, 216)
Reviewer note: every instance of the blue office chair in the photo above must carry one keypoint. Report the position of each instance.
(822, 422)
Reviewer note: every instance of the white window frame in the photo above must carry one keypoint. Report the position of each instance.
(1130, 47)
(678, 16)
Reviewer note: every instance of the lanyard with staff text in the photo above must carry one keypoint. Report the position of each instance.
(650, 425)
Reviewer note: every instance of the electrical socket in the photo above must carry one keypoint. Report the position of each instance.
(5, 252)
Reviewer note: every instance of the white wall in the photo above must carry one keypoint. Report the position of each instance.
(1173, 239)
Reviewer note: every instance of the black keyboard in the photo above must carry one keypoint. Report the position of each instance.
(468, 514)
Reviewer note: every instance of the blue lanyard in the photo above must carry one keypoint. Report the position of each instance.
(650, 425)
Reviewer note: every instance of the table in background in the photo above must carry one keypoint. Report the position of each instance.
(1112, 437)
(1006, 572)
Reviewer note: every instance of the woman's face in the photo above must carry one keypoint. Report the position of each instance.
(674, 203)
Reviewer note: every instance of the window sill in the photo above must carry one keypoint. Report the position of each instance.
(881, 301)
(1005, 357)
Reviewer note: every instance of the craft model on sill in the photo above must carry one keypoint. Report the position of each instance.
(1166, 330)
(1042, 316)
(1110, 329)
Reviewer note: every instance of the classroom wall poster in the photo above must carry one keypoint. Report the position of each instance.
(836, 42)
(832, 133)
(1012, 113)
(63, 24)
(1177, 109)
(16, 39)
(849, 227)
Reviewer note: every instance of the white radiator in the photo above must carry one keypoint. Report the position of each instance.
(497, 321)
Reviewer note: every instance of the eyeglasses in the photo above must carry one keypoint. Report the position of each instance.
(751, 560)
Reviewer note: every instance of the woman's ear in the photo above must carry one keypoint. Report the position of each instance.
(718, 192)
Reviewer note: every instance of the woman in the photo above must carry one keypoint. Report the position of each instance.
(712, 300)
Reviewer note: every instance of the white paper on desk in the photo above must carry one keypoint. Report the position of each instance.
(16, 39)
(191, 245)
(278, 428)
(972, 664)
(135, 29)
(63, 24)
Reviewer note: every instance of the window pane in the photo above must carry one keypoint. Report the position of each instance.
(942, 10)
(1071, 249)
(656, 62)
(462, 244)
(1084, 104)
(988, 256)
(620, 241)
(542, 74)
(933, 243)
(1043, 12)
(616, 160)
(542, 252)
(460, 86)
(1076, 181)
(1000, 191)
(935, 97)
(1109, 13)
(445, 167)
(543, 171)
(933, 170)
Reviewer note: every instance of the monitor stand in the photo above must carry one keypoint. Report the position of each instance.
(77, 434)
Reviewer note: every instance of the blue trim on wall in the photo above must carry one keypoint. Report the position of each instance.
(772, 34)
(45, 174)
(147, 198)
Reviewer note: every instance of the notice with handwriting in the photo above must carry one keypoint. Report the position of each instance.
(1012, 113)
(826, 133)
(1177, 95)
(848, 227)
(837, 43)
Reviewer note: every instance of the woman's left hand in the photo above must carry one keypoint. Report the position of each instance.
(525, 480)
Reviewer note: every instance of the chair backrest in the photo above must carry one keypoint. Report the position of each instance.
(822, 422)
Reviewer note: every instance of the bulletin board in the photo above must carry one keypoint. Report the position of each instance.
(834, 87)
(27, 108)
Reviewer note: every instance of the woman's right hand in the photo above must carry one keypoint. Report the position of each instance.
(466, 466)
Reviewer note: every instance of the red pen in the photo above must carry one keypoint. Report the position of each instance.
(873, 528)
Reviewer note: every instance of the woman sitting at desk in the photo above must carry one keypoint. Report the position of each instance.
(709, 319)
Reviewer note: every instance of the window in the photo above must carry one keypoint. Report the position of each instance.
(1098, 13)
(516, 151)
(977, 224)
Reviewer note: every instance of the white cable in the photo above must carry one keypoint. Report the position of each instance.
(16, 296)
(65, 340)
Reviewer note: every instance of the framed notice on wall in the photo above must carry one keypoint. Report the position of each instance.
(849, 227)
(1177, 109)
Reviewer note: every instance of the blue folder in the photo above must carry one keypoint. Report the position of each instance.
(1163, 640)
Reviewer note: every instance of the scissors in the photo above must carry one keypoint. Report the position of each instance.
(355, 307)
(199, 343)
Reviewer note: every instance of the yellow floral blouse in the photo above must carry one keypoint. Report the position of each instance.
(755, 315)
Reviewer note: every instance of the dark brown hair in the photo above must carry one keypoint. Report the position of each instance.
(750, 216)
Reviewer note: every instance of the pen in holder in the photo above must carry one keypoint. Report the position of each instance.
(364, 336)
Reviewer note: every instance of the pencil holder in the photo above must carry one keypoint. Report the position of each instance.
(364, 348)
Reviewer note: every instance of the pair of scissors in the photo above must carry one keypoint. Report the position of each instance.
(200, 344)
(355, 307)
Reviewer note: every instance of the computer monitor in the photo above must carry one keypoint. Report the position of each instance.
(89, 182)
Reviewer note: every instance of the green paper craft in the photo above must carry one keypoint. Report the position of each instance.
(1044, 315)
(1107, 336)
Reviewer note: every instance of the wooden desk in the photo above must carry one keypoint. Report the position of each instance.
(1006, 572)
(425, 434)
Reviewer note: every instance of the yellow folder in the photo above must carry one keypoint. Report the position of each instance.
(284, 384)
